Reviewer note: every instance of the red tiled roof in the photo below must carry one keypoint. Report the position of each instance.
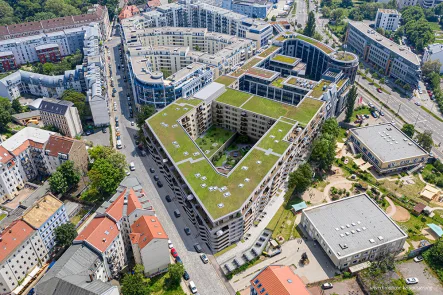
(99, 233)
(154, 3)
(5, 156)
(59, 144)
(13, 236)
(279, 280)
(128, 11)
(133, 202)
(145, 229)
(115, 210)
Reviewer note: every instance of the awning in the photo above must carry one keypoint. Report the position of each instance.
(436, 229)
(299, 206)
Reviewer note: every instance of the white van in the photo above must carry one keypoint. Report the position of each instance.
(132, 166)
(192, 287)
(119, 144)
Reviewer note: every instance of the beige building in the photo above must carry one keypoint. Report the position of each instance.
(61, 114)
(387, 148)
(22, 249)
(150, 245)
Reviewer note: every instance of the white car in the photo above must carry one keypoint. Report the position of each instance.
(170, 245)
(417, 103)
(132, 123)
(132, 166)
(204, 258)
(418, 258)
(411, 281)
(420, 91)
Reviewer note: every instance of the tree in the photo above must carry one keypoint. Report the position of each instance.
(16, 106)
(310, 25)
(431, 66)
(135, 284)
(115, 158)
(438, 10)
(5, 113)
(350, 103)
(6, 13)
(146, 111)
(273, 18)
(301, 178)
(57, 183)
(65, 234)
(408, 129)
(176, 272)
(346, 3)
(61, 8)
(323, 151)
(337, 14)
(104, 178)
(70, 173)
(330, 126)
(412, 13)
(425, 140)
(79, 101)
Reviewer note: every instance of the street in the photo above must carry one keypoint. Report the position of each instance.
(205, 276)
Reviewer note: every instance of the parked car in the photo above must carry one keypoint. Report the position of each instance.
(168, 198)
(104, 130)
(174, 252)
(198, 248)
(374, 114)
(113, 94)
(170, 245)
(381, 113)
(177, 213)
(88, 132)
(159, 183)
(411, 281)
(178, 260)
(187, 231)
(326, 286)
(156, 178)
(186, 276)
(151, 170)
(366, 116)
(192, 287)
(379, 90)
(418, 258)
(132, 166)
(417, 103)
(132, 123)
(204, 258)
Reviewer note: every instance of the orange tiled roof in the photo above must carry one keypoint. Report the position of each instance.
(154, 3)
(279, 280)
(145, 229)
(133, 202)
(5, 156)
(115, 210)
(128, 11)
(59, 144)
(13, 236)
(99, 233)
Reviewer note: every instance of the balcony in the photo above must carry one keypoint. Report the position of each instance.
(244, 114)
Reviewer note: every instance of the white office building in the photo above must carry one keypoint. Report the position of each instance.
(387, 19)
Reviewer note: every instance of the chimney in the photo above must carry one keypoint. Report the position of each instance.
(104, 240)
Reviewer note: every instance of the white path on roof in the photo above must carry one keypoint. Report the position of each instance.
(268, 151)
(190, 160)
(392, 205)
(246, 101)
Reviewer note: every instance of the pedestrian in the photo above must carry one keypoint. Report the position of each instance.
(298, 249)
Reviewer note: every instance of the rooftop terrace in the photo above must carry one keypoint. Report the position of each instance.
(271, 49)
(285, 59)
(320, 45)
(318, 90)
(223, 194)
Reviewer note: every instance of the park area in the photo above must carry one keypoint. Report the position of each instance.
(213, 139)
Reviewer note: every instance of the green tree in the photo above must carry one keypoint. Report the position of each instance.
(438, 10)
(323, 151)
(412, 13)
(350, 103)
(273, 18)
(408, 129)
(116, 159)
(431, 66)
(330, 126)
(346, 3)
(310, 25)
(176, 272)
(135, 284)
(65, 234)
(301, 178)
(419, 33)
(60, 8)
(70, 173)
(104, 178)
(16, 106)
(57, 183)
(5, 113)
(435, 254)
(146, 111)
(338, 14)
(6, 13)
(425, 140)
(79, 101)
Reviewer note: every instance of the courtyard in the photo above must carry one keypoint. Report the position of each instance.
(213, 139)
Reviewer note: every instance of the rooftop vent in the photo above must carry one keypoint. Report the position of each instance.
(203, 185)
(227, 194)
(380, 238)
(337, 228)
(197, 175)
(343, 246)
(203, 178)
(247, 179)
(221, 205)
(372, 241)
(342, 235)
(241, 185)
(244, 168)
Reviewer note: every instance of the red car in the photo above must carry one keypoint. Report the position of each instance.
(379, 90)
(174, 253)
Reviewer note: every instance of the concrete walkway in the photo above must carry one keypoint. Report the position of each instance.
(394, 208)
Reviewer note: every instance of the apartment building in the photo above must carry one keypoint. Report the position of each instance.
(205, 191)
(7, 61)
(404, 3)
(128, 204)
(202, 15)
(387, 148)
(387, 19)
(22, 251)
(45, 216)
(396, 61)
(254, 9)
(434, 52)
(79, 270)
(150, 245)
(278, 280)
(427, 4)
(102, 236)
(353, 230)
(59, 149)
(61, 114)
(96, 13)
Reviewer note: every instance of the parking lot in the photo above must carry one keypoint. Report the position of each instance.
(98, 137)
(427, 283)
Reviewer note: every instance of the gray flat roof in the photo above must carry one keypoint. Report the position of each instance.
(353, 222)
(387, 142)
(208, 91)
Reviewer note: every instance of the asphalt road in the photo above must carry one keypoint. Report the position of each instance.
(205, 276)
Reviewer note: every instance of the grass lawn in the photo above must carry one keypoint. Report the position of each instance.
(360, 111)
(158, 286)
(414, 226)
(282, 224)
(225, 250)
(213, 139)
(317, 91)
(278, 82)
(343, 135)
(225, 80)
(252, 62)
(269, 51)
(2, 216)
(221, 160)
(277, 133)
(76, 218)
(303, 113)
(234, 97)
(191, 101)
(412, 191)
(316, 43)
(284, 59)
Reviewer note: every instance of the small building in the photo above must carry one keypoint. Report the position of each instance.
(436, 229)
(387, 148)
(430, 193)
(353, 230)
(27, 117)
(297, 208)
(387, 19)
(150, 245)
(418, 209)
(278, 280)
(61, 114)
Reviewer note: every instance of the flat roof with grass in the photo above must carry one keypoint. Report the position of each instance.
(278, 82)
(285, 59)
(269, 51)
(252, 62)
(262, 73)
(225, 80)
(221, 194)
(318, 90)
(316, 43)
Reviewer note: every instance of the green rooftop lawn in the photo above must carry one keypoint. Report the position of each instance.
(191, 101)
(225, 80)
(280, 38)
(274, 134)
(252, 62)
(213, 139)
(278, 82)
(284, 59)
(302, 113)
(315, 42)
(234, 97)
(168, 135)
(344, 56)
(340, 83)
(255, 172)
(317, 91)
(266, 74)
(269, 51)
(237, 73)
